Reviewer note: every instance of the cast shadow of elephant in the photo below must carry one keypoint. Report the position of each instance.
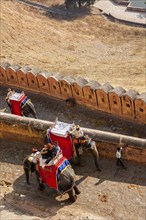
(28, 200)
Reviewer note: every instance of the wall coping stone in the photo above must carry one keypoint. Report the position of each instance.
(97, 135)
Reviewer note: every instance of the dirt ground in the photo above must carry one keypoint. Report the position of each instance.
(84, 44)
(111, 194)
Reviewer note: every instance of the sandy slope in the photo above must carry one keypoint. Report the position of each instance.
(88, 46)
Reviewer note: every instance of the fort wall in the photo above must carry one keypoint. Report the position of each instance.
(30, 130)
(116, 101)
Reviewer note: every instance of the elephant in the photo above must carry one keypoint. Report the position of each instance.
(87, 145)
(66, 182)
(28, 109)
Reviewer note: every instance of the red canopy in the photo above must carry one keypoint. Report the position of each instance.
(51, 174)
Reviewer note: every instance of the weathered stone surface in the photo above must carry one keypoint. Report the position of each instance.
(12, 74)
(31, 130)
(3, 72)
(115, 100)
(22, 76)
(140, 107)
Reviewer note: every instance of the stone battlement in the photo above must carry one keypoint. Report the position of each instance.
(116, 101)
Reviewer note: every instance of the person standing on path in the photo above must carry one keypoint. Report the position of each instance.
(118, 156)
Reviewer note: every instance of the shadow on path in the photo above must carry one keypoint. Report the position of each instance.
(59, 11)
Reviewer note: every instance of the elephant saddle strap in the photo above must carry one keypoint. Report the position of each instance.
(50, 174)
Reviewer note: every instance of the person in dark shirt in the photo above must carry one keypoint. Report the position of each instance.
(48, 152)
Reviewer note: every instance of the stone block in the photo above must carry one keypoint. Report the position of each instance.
(55, 90)
(43, 82)
(90, 98)
(102, 97)
(22, 76)
(12, 74)
(65, 86)
(3, 72)
(32, 79)
(115, 100)
(140, 107)
(77, 90)
(128, 109)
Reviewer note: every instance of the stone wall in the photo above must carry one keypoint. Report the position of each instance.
(116, 101)
(30, 130)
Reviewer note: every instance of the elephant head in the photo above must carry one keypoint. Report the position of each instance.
(28, 165)
(90, 146)
(28, 109)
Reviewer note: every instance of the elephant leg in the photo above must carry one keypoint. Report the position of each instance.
(96, 158)
(72, 196)
(79, 157)
(41, 186)
(77, 191)
(26, 170)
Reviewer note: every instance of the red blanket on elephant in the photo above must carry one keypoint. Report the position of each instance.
(59, 132)
(65, 143)
(50, 174)
(15, 102)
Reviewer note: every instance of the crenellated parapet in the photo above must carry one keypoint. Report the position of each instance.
(116, 101)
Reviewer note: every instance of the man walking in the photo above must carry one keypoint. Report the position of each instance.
(118, 156)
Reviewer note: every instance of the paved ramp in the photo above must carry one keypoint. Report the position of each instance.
(120, 12)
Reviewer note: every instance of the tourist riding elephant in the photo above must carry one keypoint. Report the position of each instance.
(66, 179)
(87, 145)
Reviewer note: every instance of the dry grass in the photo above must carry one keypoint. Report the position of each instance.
(89, 46)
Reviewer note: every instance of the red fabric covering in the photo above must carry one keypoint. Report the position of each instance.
(15, 105)
(49, 173)
(64, 143)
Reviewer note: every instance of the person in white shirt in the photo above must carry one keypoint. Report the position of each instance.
(78, 133)
(118, 156)
(10, 92)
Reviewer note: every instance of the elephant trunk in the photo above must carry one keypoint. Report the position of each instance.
(28, 167)
(26, 170)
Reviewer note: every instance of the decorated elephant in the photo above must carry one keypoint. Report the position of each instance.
(65, 182)
(19, 104)
(87, 145)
